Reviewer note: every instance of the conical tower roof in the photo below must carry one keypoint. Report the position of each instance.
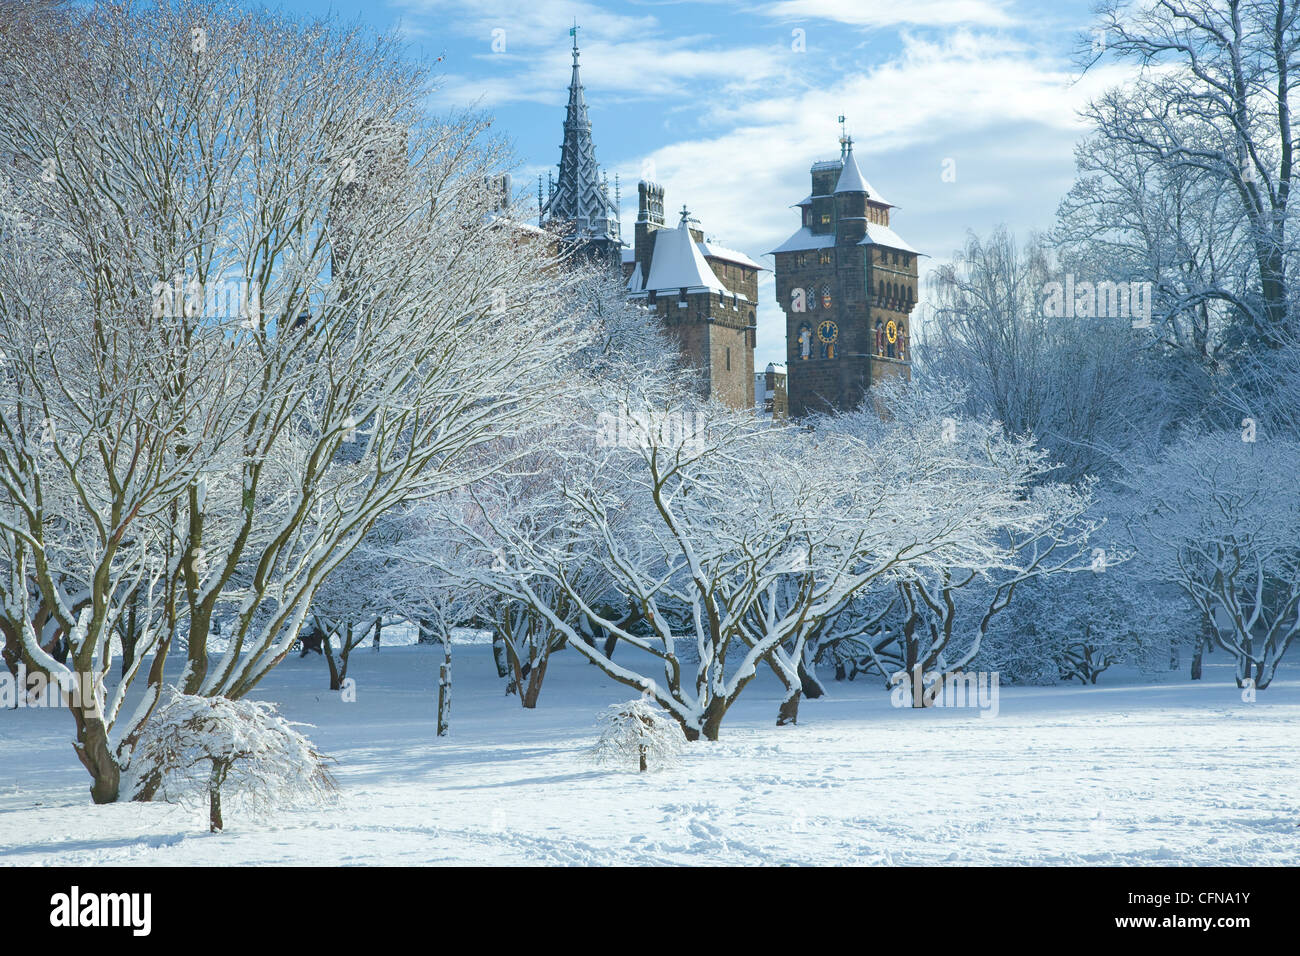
(580, 197)
(852, 181)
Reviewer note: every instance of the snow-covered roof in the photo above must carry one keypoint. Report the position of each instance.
(806, 201)
(634, 282)
(804, 239)
(878, 235)
(852, 181)
(627, 254)
(677, 263)
(730, 255)
(778, 369)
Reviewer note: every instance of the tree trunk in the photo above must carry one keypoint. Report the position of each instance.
(92, 749)
(11, 653)
(713, 715)
(130, 635)
(336, 681)
(529, 698)
(812, 688)
(789, 712)
(444, 689)
(215, 823)
(643, 758)
(344, 653)
(499, 654)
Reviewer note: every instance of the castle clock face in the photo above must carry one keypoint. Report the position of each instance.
(828, 332)
(891, 331)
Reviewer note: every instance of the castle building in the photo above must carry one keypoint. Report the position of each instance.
(706, 295)
(847, 284)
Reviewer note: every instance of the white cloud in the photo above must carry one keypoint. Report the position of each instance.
(626, 58)
(889, 13)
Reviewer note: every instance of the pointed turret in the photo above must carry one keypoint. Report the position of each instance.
(851, 179)
(851, 194)
(580, 207)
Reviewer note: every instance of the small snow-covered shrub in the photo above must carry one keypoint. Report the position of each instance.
(193, 746)
(637, 732)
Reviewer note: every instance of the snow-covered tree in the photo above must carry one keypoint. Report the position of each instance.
(1072, 381)
(197, 747)
(168, 450)
(1213, 98)
(637, 733)
(1029, 528)
(1219, 517)
(465, 544)
(734, 537)
(1076, 626)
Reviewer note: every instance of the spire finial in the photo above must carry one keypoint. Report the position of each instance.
(573, 32)
(685, 215)
(846, 144)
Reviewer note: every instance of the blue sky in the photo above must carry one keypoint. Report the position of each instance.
(728, 103)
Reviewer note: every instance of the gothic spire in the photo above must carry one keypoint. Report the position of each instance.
(581, 202)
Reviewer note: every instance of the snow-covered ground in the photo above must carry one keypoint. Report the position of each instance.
(1131, 772)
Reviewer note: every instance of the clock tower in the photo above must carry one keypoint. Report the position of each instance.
(847, 284)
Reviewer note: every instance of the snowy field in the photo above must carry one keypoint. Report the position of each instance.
(1131, 773)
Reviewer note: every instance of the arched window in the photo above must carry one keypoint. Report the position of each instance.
(882, 288)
